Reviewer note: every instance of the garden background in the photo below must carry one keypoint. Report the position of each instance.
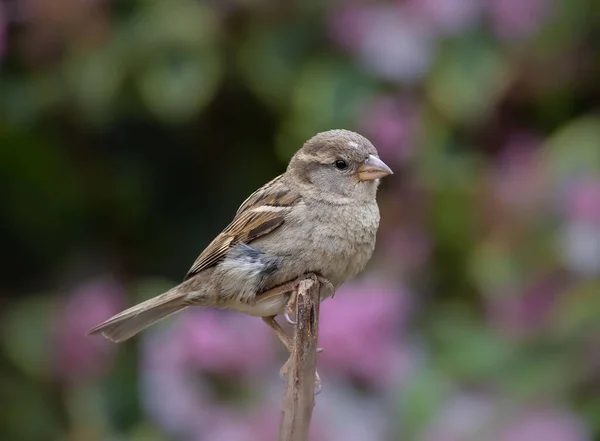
(130, 131)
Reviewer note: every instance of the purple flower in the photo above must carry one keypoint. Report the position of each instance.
(528, 311)
(581, 248)
(462, 417)
(517, 18)
(580, 241)
(349, 415)
(406, 248)
(519, 181)
(348, 25)
(448, 16)
(360, 331)
(181, 401)
(583, 202)
(396, 46)
(176, 358)
(80, 356)
(213, 341)
(547, 425)
(391, 124)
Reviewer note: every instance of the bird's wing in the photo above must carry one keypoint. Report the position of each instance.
(264, 211)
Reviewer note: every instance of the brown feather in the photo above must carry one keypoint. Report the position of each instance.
(126, 324)
(249, 223)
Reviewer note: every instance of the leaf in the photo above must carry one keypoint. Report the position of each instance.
(270, 59)
(574, 149)
(27, 413)
(576, 313)
(175, 87)
(174, 24)
(95, 79)
(26, 335)
(467, 81)
(468, 349)
(328, 94)
(421, 399)
(493, 267)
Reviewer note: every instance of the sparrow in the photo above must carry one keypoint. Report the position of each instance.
(319, 217)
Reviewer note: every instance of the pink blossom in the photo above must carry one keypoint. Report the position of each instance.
(222, 342)
(583, 202)
(79, 355)
(360, 331)
(448, 16)
(175, 396)
(581, 232)
(176, 359)
(528, 311)
(462, 417)
(547, 425)
(581, 248)
(518, 181)
(348, 25)
(350, 415)
(396, 46)
(391, 124)
(407, 248)
(517, 18)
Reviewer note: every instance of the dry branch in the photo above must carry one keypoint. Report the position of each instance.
(299, 398)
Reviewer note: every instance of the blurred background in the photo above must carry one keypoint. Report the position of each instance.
(130, 132)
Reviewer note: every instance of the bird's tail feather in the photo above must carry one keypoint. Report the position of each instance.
(128, 323)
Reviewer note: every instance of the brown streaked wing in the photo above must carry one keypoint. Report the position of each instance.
(274, 193)
(248, 223)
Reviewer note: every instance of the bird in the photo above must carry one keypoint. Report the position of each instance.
(319, 217)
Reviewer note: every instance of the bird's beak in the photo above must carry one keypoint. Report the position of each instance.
(373, 168)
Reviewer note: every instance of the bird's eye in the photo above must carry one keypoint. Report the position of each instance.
(340, 164)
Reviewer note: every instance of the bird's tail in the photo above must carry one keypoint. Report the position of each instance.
(133, 320)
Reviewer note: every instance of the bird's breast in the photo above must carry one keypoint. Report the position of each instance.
(335, 241)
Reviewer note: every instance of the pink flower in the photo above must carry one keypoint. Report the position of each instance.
(517, 18)
(581, 232)
(547, 425)
(78, 355)
(348, 25)
(391, 124)
(350, 415)
(360, 331)
(396, 46)
(214, 341)
(528, 311)
(583, 202)
(463, 417)
(518, 181)
(449, 16)
(581, 248)
(176, 358)
(406, 248)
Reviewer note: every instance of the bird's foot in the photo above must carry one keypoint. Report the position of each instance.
(290, 307)
(326, 287)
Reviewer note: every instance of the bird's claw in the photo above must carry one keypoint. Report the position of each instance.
(290, 320)
(327, 286)
(290, 308)
(318, 385)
